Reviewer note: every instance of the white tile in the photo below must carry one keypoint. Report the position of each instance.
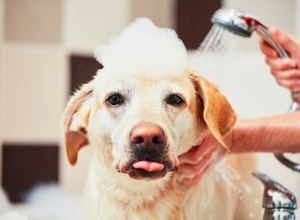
(34, 87)
(91, 23)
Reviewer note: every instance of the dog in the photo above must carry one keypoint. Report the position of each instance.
(139, 113)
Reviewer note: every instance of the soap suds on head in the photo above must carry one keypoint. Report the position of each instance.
(143, 48)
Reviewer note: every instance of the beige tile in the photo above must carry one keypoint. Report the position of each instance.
(93, 22)
(162, 13)
(34, 92)
(33, 20)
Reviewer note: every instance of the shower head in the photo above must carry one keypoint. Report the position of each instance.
(236, 21)
(232, 20)
(243, 24)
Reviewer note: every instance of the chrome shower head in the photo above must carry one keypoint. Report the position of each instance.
(243, 24)
(232, 20)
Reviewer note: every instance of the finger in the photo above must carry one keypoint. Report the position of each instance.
(191, 174)
(281, 63)
(194, 155)
(199, 153)
(187, 169)
(292, 85)
(267, 50)
(195, 179)
(287, 41)
(291, 74)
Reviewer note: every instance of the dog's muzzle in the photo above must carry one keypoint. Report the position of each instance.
(149, 153)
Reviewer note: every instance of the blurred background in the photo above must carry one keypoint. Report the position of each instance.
(46, 51)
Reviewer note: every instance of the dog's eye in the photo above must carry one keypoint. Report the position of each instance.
(115, 100)
(174, 100)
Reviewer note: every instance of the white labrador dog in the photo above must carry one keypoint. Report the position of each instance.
(139, 113)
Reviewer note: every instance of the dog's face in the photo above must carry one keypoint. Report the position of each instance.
(141, 123)
(148, 120)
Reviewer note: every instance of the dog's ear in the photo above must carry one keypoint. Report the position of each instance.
(75, 121)
(217, 111)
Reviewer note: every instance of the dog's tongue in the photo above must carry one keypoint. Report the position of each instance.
(149, 166)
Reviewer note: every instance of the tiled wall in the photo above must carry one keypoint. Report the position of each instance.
(33, 92)
(193, 20)
(33, 83)
(93, 22)
(46, 51)
(33, 21)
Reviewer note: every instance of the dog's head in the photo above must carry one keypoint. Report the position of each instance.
(142, 124)
(140, 119)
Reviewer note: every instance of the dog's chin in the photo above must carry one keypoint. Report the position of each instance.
(140, 174)
(143, 174)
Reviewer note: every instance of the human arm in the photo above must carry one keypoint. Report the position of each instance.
(276, 134)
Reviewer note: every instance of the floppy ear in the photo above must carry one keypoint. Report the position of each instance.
(217, 113)
(75, 121)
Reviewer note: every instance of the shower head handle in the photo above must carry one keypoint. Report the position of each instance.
(243, 24)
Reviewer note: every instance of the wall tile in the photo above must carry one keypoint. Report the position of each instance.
(93, 22)
(33, 21)
(34, 92)
(26, 166)
(82, 70)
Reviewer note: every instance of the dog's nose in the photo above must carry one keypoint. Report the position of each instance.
(147, 133)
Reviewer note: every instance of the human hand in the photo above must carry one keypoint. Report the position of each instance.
(285, 70)
(195, 162)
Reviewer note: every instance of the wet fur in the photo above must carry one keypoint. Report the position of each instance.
(114, 195)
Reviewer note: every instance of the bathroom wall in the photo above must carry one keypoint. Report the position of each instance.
(33, 81)
(88, 24)
(40, 44)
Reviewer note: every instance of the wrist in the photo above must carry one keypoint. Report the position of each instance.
(272, 134)
(246, 136)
